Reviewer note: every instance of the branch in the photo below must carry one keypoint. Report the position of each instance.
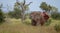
(17, 2)
(29, 3)
(24, 2)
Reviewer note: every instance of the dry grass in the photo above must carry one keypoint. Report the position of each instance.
(16, 26)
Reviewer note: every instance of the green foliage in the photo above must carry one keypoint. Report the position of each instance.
(54, 9)
(1, 16)
(57, 27)
(55, 15)
(48, 22)
(45, 7)
(27, 21)
(14, 14)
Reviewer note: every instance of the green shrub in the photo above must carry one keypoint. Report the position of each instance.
(27, 21)
(57, 27)
(55, 15)
(1, 16)
(48, 22)
(15, 14)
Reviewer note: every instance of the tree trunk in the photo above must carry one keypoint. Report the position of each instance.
(23, 13)
(23, 16)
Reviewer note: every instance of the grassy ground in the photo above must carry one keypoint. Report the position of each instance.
(16, 26)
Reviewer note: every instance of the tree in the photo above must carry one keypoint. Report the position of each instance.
(55, 15)
(44, 6)
(23, 7)
(54, 9)
(16, 13)
(1, 14)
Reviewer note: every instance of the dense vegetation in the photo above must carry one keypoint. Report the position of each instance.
(57, 27)
(14, 14)
(1, 15)
(55, 15)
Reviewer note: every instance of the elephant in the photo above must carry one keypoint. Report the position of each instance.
(39, 18)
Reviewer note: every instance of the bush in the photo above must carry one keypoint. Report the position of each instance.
(14, 14)
(27, 21)
(57, 27)
(1, 16)
(55, 15)
(48, 22)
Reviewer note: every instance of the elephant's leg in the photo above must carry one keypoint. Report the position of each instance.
(42, 22)
(34, 22)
